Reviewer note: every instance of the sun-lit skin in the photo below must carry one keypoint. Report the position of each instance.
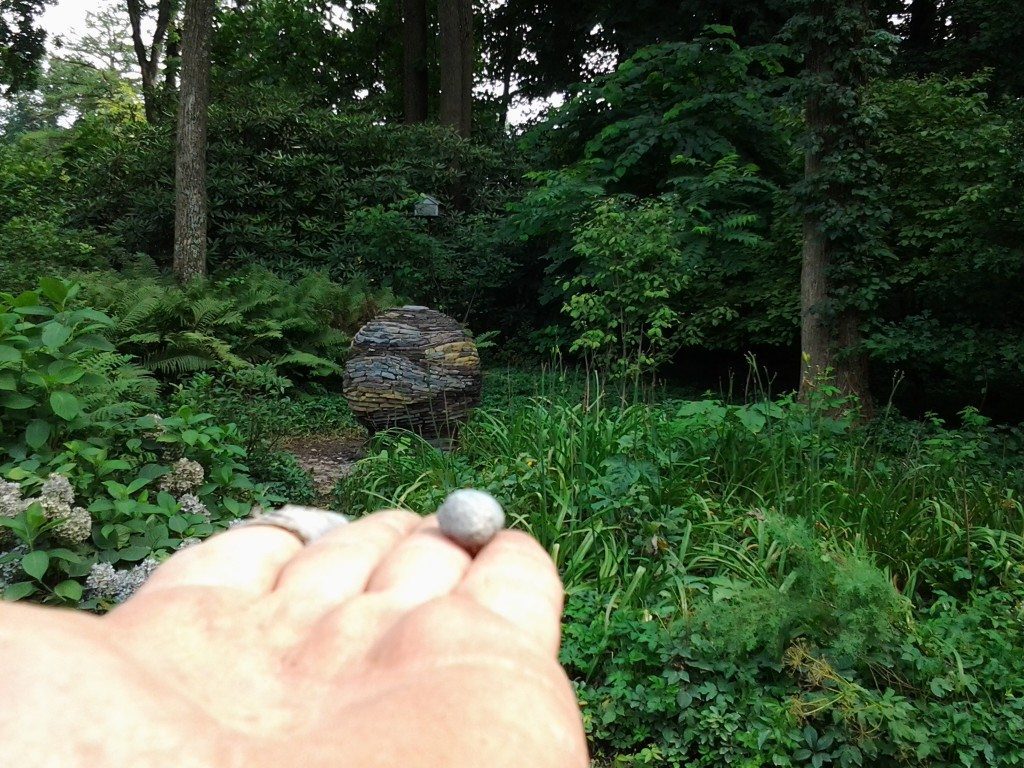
(381, 644)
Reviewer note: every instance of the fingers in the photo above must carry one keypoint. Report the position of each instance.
(515, 578)
(423, 566)
(338, 566)
(244, 560)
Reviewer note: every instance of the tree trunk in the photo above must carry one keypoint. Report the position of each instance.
(172, 60)
(922, 28)
(149, 58)
(826, 336)
(414, 64)
(190, 157)
(457, 60)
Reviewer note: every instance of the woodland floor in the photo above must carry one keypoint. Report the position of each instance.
(327, 459)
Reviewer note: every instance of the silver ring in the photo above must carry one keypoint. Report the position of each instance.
(306, 523)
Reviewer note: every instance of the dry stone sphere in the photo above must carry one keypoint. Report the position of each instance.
(414, 368)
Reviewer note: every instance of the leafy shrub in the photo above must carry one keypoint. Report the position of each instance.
(59, 376)
(88, 482)
(296, 185)
(656, 692)
(302, 327)
(38, 234)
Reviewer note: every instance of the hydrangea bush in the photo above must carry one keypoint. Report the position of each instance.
(94, 491)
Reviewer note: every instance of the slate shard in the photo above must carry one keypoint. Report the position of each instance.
(413, 368)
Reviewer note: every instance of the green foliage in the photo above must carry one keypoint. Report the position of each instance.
(958, 224)
(655, 693)
(87, 479)
(301, 327)
(59, 375)
(701, 123)
(36, 235)
(734, 573)
(620, 304)
(297, 186)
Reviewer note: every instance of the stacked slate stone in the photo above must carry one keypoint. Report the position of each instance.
(414, 368)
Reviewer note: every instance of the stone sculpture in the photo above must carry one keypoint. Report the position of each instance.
(414, 368)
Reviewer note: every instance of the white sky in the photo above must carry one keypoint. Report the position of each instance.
(67, 15)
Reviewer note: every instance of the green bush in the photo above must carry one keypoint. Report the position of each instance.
(761, 584)
(88, 482)
(302, 327)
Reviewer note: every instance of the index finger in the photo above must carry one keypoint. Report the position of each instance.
(515, 578)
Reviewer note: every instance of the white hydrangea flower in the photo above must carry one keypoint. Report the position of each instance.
(56, 497)
(190, 541)
(186, 475)
(75, 528)
(107, 583)
(10, 572)
(191, 505)
(11, 503)
(58, 488)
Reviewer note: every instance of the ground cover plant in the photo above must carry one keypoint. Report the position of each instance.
(819, 567)
(762, 584)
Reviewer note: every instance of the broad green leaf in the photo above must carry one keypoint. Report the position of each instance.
(53, 289)
(65, 371)
(35, 564)
(8, 383)
(66, 555)
(37, 433)
(134, 553)
(138, 484)
(19, 590)
(69, 590)
(55, 334)
(9, 354)
(65, 405)
(177, 523)
(16, 401)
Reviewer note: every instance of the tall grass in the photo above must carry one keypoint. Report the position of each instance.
(650, 503)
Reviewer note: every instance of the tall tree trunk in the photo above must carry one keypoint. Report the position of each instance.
(456, 27)
(414, 65)
(172, 60)
(149, 58)
(828, 339)
(190, 158)
(922, 29)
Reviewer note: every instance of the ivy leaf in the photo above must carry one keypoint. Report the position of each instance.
(65, 405)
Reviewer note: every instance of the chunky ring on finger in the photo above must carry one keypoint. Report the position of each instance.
(306, 523)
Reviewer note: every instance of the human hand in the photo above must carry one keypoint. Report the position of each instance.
(380, 644)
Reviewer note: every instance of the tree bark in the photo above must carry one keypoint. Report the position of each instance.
(414, 64)
(922, 29)
(457, 60)
(190, 199)
(149, 58)
(828, 336)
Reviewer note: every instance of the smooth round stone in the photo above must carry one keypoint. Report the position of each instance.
(470, 518)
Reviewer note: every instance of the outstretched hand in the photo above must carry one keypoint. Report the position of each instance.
(380, 644)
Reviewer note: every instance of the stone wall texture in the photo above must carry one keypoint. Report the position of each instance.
(414, 368)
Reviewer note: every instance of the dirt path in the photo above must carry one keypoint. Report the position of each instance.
(327, 459)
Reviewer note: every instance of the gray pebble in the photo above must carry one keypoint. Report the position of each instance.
(470, 518)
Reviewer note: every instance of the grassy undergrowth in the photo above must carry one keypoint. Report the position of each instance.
(762, 584)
